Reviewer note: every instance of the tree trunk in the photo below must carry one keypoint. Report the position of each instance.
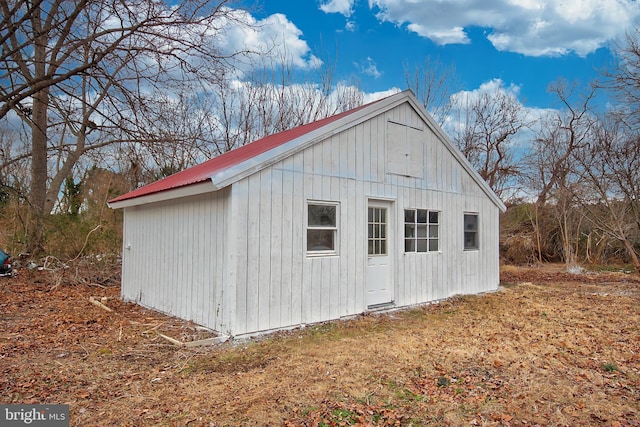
(38, 140)
(632, 254)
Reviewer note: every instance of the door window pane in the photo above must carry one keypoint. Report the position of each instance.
(377, 231)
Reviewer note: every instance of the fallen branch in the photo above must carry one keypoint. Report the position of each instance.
(171, 340)
(94, 301)
(97, 284)
(206, 341)
(86, 240)
(190, 344)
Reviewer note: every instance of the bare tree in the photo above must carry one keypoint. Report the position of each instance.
(433, 83)
(552, 171)
(485, 130)
(272, 101)
(624, 79)
(611, 165)
(82, 71)
(560, 134)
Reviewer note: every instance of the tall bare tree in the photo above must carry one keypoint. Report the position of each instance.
(611, 165)
(433, 83)
(559, 135)
(552, 171)
(485, 132)
(624, 79)
(274, 99)
(83, 70)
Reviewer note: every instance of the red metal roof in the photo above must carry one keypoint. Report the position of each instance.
(207, 169)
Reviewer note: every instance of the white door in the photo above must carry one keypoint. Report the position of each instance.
(379, 283)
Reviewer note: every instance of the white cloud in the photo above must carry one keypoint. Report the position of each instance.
(374, 96)
(445, 36)
(344, 7)
(369, 68)
(466, 97)
(272, 40)
(530, 27)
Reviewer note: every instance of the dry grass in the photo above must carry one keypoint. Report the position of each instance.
(547, 349)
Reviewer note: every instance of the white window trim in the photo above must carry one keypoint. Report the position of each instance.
(415, 238)
(336, 235)
(477, 231)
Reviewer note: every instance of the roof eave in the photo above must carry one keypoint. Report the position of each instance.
(161, 196)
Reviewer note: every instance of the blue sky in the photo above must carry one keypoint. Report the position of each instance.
(524, 44)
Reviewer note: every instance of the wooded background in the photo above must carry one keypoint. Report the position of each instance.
(98, 97)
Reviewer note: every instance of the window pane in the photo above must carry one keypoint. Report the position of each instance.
(470, 222)
(320, 240)
(370, 214)
(383, 247)
(433, 231)
(370, 235)
(322, 215)
(422, 216)
(422, 245)
(409, 231)
(471, 231)
(371, 247)
(409, 216)
(433, 217)
(409, 245)
(383, 215)
(422, 231)
(433, 245)
(470, 240)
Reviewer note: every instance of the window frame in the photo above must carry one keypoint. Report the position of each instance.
(475, 232)
(428, 238)
(378, 243)
(333, 228)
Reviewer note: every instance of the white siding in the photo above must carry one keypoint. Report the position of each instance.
(235, 260)
(285, 287)
(173, 256)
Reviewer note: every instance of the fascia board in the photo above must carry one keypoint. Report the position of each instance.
(186, 191)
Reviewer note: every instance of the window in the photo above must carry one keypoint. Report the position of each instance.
(377, 237)
(421, 230)
(322, 228)
(470, 231)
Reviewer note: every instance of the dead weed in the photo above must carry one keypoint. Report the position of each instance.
(549, 349)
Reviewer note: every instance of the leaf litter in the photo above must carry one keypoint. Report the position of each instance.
(549, 348)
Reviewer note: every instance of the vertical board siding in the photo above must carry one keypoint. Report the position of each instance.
(283, 286)
(276, 281)
(171, 263)
(239, 249)
(251, 237)
(263, 259)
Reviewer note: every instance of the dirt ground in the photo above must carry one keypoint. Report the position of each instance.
(549, 348)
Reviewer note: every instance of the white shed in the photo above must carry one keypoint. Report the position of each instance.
(372, 208)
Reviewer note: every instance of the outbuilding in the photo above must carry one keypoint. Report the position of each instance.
(370, 209)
